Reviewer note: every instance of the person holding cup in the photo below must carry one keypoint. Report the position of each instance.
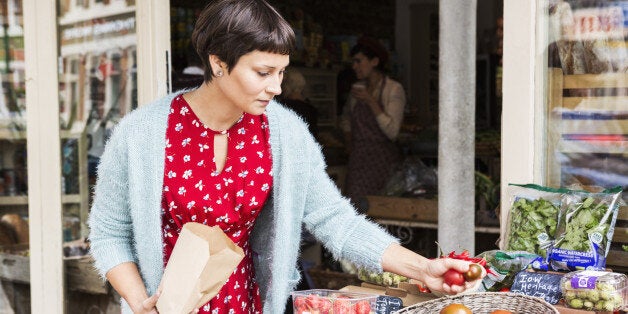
(371, 121)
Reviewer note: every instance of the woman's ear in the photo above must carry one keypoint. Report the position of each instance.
(375, 61)
(217, 66)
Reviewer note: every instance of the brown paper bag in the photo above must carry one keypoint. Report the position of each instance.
(201, 261)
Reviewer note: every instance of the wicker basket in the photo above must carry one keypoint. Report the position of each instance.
(485, 303)
(332, 280)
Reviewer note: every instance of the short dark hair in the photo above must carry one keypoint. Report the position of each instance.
(230, 29)
(371, 48)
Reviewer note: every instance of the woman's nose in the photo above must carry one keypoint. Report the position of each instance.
(274, 88)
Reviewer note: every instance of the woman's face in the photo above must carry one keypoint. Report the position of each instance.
(254, 80)
(363, 66)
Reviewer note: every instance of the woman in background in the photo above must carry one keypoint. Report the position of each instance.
(371, 121)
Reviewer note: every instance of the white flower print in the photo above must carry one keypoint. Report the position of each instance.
(240, 145)
(166, 188)
(207, 308)
(172, 206)
(255, 140)
(187, 174)
(241, 131)
(168, 145)
(240, 193)
(264, 125)
(171, 110)
(191, 204)
(170, 158)
(265, 187)
(226, 196)
(236, 285)
(242, 159)
(193, 218)
(196, 123)
(227, 299)
(206, 197)
(227, 181)
(215, 173)
(186, 158)
(259, 170)
(252, 183)
(201, 163)
(243, 305)
(243, 174)
(204, 134)
(260, 154)
(199, 185)
(182, 191)
(218, 186)
(253, 202)
(237, 208)
(228, 169)
(208, 209)
(178, 127)
(237, 234)
(224, 218)
(184, 110)
(219, 201)
(202, 147)
(186, 141)
(231, 311)
(214, 311)
(172, 174)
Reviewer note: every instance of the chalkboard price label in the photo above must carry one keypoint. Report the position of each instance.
(387, 304)
(544, 285)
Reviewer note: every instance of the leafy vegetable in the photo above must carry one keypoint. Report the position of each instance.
(532, 225)
(583, 220)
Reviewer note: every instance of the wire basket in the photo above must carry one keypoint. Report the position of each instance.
(485, 303)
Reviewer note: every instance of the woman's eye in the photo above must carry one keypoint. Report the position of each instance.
(262, 74)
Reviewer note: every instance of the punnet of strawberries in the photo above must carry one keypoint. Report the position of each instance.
(332, 302)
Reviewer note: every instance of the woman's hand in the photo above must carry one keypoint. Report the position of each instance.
(148, 306)
(435, 269)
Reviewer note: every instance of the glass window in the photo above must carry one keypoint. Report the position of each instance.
(97, 83)
(13, 168)
(586, 92)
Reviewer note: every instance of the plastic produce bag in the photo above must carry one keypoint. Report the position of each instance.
(585, 229)
(532, 219)
(412, 178)
(502, 268)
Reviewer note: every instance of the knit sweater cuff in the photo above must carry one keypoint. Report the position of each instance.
(372, 241)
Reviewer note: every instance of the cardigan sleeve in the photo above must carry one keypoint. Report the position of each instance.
(394, 101)
(110, 221)
(332, 220)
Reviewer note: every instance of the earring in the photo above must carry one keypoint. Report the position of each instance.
(219, 73)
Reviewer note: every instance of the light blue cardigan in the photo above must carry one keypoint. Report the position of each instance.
(125, 218)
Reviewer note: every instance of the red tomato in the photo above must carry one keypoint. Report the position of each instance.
(453, 277)
(501, 312)
(342, 306)
(456, 308)
(362, 307)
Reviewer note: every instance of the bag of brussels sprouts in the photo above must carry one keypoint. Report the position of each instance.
(532, 220)
(585, 229)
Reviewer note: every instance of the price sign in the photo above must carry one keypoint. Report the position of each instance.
(544, 285)
(387, 304)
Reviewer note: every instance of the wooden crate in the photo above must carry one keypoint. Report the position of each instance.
(80, 273)
(400, 208)
(617, 258)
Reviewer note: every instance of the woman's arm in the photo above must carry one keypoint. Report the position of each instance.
(399, 260)
(389, 118)
(125, 279)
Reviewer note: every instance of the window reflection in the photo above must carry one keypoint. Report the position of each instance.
(587, 92)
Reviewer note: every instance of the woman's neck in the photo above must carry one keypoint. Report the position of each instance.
(375, 79)
(212, 107)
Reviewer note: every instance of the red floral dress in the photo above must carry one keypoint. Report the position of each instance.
(232, 199)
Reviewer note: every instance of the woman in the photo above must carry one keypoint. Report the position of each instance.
(227, 154)
(371, 121)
